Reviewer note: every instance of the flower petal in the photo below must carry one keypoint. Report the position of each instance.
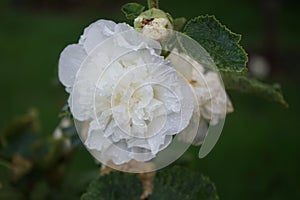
(69, 63)
(96, 33)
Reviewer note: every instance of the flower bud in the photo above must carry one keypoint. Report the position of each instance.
(154, 23)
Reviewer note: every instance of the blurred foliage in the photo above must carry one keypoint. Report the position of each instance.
(33, 167)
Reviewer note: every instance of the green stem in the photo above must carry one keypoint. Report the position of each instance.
(152, 3)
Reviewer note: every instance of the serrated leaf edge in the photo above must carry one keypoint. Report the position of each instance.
(239, 36)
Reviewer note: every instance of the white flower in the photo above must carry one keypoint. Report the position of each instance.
(131, 98)
(128, 101)
(212, 99)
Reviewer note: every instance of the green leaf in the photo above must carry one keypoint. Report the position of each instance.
(114, 186)
(179, 23)
(243, 83)
(176, 183)
(222, 44)
(179, 183)
(132, 10)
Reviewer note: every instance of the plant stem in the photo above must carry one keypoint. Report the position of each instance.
(152, 3)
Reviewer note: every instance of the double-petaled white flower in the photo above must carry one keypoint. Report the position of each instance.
(132, 99)
(129, 100)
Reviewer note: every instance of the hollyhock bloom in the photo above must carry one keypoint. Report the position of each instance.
(132, 100)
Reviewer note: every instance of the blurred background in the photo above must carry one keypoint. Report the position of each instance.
(257, 156)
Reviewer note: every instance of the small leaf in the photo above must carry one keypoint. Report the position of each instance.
(132, 10)
(114, 186)
(179, 183)
(243, 83)
(179, 23)
(222, 44)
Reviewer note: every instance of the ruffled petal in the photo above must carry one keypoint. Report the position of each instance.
(70, 61)
(96, 33)
(82, 101)
(95, 138)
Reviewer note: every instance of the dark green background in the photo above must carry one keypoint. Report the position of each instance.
(257, 156)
